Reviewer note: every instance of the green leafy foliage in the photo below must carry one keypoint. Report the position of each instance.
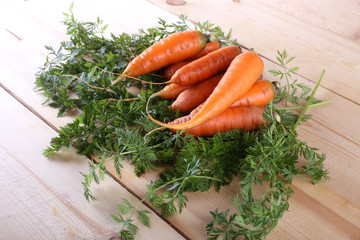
(112, 126)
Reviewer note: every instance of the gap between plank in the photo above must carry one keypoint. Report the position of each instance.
(91, 158)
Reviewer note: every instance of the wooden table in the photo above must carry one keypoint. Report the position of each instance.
(43, 198)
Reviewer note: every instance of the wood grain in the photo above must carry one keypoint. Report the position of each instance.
(337, 16)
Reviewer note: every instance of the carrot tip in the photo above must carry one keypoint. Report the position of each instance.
(150, 132)
(180, 126)
(117, 80)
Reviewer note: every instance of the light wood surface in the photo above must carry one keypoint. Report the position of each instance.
(43, 198)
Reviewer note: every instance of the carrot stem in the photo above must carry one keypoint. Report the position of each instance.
(309, 101)
(301, 107)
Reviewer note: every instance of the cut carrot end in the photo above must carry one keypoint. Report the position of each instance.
(276, 85)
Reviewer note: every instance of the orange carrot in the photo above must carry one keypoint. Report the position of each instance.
(206, 66)
(196, 94)
(172, 49)
(239, 117)
(260, 94)
(243, 72)
(210, 47)
(170, 71)
(171, 91)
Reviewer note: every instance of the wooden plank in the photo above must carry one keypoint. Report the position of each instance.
(260, 27)
(119, 15)
(338, 16)
(25, 197)
(43, 198)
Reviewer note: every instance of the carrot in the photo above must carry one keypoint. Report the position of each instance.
(206, 66)
(239, 117)
(210, 47)
(196, 94)
(172, 49)
(242, 73)
(171, 91)
(260, 94)
(170, 71)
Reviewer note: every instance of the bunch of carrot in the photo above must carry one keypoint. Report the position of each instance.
(219, 87)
